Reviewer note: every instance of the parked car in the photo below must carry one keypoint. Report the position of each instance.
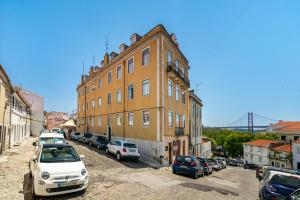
(250, 166)
(278, 185)
(85, 138)
(123, 149)
(188, 165)
(98, 141)
(295, 195)
(233, 162)
(74, 136)
(48, 138)
(260, 172)
(57, 169)
(223, 162)
(207, 167)
(217, 166)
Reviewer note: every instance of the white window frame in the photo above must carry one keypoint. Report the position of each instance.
(183, 121)
(169, 53)
(146, 112)
(99, 83)
(99, 101)
(130, 120)
(99, 121)
(177, 91)
(170, 120)
(109, 102)
(170, 92)
(128, 65)
(93, 122)
(93, 104)
(119, 123)
(145, 64)
(119, 76)
(109, 80)
(119, 95)
(177, 120)
(144, 90)
(130, 97)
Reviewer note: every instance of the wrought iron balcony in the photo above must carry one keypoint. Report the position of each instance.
(179, 131)
(177, 73)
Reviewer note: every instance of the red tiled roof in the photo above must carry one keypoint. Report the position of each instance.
(286, 148)
(261, 143)
(287, 126)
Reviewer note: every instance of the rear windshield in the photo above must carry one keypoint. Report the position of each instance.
(76, 133)
(289, 181)
(101, 138)
(129, 145)
(88, 135)
(182, 159)
(50, 140)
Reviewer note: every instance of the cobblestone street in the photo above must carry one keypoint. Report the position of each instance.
(110, 179)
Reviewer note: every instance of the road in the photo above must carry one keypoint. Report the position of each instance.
(110, 179)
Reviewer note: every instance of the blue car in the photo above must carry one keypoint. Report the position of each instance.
(189, 165)
(278, 185)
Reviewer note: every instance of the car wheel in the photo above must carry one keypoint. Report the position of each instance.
(174, 172)
(34, 196)
(118, 156)
(195, 174)
(106, 151)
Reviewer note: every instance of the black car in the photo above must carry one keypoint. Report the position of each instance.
(74, 136)
(98, 141)
(251, 166)
(85, 138)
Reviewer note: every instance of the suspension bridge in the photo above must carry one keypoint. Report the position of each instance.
(246, 123)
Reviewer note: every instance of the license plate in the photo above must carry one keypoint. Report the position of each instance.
(182, 166)
(64, 184)
(131, 150)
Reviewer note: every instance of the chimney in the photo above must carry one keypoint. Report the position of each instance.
(134, 38)
(113, 55)
(174, 38)
(91, 70)
(122, 47)
(106, 59)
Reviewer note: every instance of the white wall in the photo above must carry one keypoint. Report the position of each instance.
(296, 155)
(256, 155)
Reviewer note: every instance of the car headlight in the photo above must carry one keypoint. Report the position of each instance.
(45, 175)
(83, 172)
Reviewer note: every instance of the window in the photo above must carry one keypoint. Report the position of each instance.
(298, 150)
(283, 137)
(109, 77)
(146, 87)
(146, 118)
(93, 122)
(88, 89)
(130, 67)
(170, 87)
(170, 119)
(93, 104)
(183, 121)
(109, 98)
(119, 119)
(169, 57)
(177, 120)
(177, 65)
(183, 72)
(108, 120)
(130, 91)
(99, 102)
(177, 93)
(99, 83)
(99, 121)
(87, 105)
(259, 159)
(145, 57)
(83, 107)
(82, 91)
(119, 96)
(119, 72)
(93, 87)
(183, 97)
(130, 119)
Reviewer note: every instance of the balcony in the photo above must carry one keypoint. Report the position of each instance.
(178, 74)
(179, 131)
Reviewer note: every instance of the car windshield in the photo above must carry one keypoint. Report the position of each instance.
(50, 140)
(289, 181)
(129, 145)
(59, 154)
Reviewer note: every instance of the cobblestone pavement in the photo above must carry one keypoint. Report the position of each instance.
(110, 179)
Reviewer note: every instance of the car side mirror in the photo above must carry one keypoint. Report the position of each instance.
(81, 157)
(34, 158)
(34, 144)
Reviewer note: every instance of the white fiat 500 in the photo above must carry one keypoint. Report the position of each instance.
(57, 169)
(123, 149)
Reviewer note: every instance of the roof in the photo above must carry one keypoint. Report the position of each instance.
(286, 148)
(51, 135)
(261, 143)
(287, 126)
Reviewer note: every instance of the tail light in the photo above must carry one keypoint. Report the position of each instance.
(193, 164)
(124, 150)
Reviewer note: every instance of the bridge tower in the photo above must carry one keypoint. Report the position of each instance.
(250, 122)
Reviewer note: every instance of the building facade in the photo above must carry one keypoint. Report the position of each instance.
(55, 119)
(195, 124)
(36, 104)
(141, 95)
(20, 119)
(296, 155)
(286, 130)
(257, 152)
(281, 156)
(205, 148)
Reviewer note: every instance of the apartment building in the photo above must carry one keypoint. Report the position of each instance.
(140, 94)
(286, 130)
(281, 156)
(195, 124)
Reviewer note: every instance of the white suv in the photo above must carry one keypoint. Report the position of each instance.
(123, 149)
(57, 169)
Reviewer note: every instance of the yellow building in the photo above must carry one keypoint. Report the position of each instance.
(141, 95)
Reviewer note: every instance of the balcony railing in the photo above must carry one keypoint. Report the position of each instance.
(179, 73)
(179, 131)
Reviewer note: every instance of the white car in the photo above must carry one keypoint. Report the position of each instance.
(48, 138)
(57, 169)
(122, 149)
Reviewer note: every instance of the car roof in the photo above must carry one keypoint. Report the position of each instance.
(51, 135)
(273, 173)
(56, 145)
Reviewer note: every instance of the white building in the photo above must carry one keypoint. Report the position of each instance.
(296, 155)
(205, 148)
(257, 152)
(20, 119)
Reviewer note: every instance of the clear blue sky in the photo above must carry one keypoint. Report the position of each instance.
(244, 55)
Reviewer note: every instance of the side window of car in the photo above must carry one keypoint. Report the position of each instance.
(118, 143)
(267, 175)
